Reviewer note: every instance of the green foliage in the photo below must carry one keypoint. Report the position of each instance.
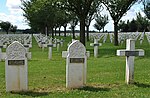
(13, 28)
(139, 24)
(117, 8)
(147, 8)
(101, 21)
(5, 26)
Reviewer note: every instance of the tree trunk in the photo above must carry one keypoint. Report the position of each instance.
(55, 31)
(65, 31)
(52, 31)
(73, 32)
(82, 30)
(59, 31)
(116, 34)
(87, 32)
(103, 29)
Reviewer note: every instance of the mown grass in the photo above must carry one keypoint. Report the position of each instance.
(105, 74)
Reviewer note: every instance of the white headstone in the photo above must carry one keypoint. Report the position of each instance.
(76, 64)
(130, 52)
(1, 52)
(58, 44)
(96, 45)
(16, 68)
(50, 45)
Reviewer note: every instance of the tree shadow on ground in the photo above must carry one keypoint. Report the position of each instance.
(141, 85)
(94, 89)
(31, 93)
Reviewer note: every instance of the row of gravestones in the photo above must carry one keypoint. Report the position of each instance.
(6, 40)
(48, 42)
(148, 37)
(130, 35)
(98, 36)
(16, 73)
(43, 41)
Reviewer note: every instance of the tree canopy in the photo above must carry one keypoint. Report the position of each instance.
(117, 8)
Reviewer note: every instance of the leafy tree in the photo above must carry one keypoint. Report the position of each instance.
(96, 8)
(133, 26)
(5, 26)
(13, 28)
(101, 21)
(147, 8)
(40, 14)
(81, 8)
(142, 22)
(117, 8)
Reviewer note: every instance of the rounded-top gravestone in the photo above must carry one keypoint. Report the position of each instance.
(16, 67)
(76, 65)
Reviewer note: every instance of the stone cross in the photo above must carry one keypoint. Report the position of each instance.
(44, 43)
(76, 64)
(50, 45)
(58, 44)
(96, 45)
(1, 46)
(16, 68)
(61, 42)
(130, 52)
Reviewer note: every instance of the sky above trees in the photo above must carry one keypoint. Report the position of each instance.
(10, 11)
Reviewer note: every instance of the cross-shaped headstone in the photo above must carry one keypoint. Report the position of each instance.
(1, 52)
(96, 45)
(130, 52)
(61, 42)
(50, 45)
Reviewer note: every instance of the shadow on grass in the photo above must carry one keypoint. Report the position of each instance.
(31, 93)
(141, 85)
(94, 89)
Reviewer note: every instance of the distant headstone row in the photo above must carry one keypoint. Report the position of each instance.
(7, 39)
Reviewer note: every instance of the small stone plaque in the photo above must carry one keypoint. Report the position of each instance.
(26, 46)
(131, 53)
(16, 62)
(76, 60)
(96, 44)
(58, 42)
(49, 45)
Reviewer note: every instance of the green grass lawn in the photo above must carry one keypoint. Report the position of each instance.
(105, 74)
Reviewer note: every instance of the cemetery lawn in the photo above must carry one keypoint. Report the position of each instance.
(105, 74)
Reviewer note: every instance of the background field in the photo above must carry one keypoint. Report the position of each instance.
(105, 74)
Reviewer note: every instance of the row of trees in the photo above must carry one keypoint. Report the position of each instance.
(45, 15)
(7, 26)
(139, 24)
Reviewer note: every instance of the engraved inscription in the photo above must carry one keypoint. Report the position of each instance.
(76, 60)
(16, 62)
(132, 53)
